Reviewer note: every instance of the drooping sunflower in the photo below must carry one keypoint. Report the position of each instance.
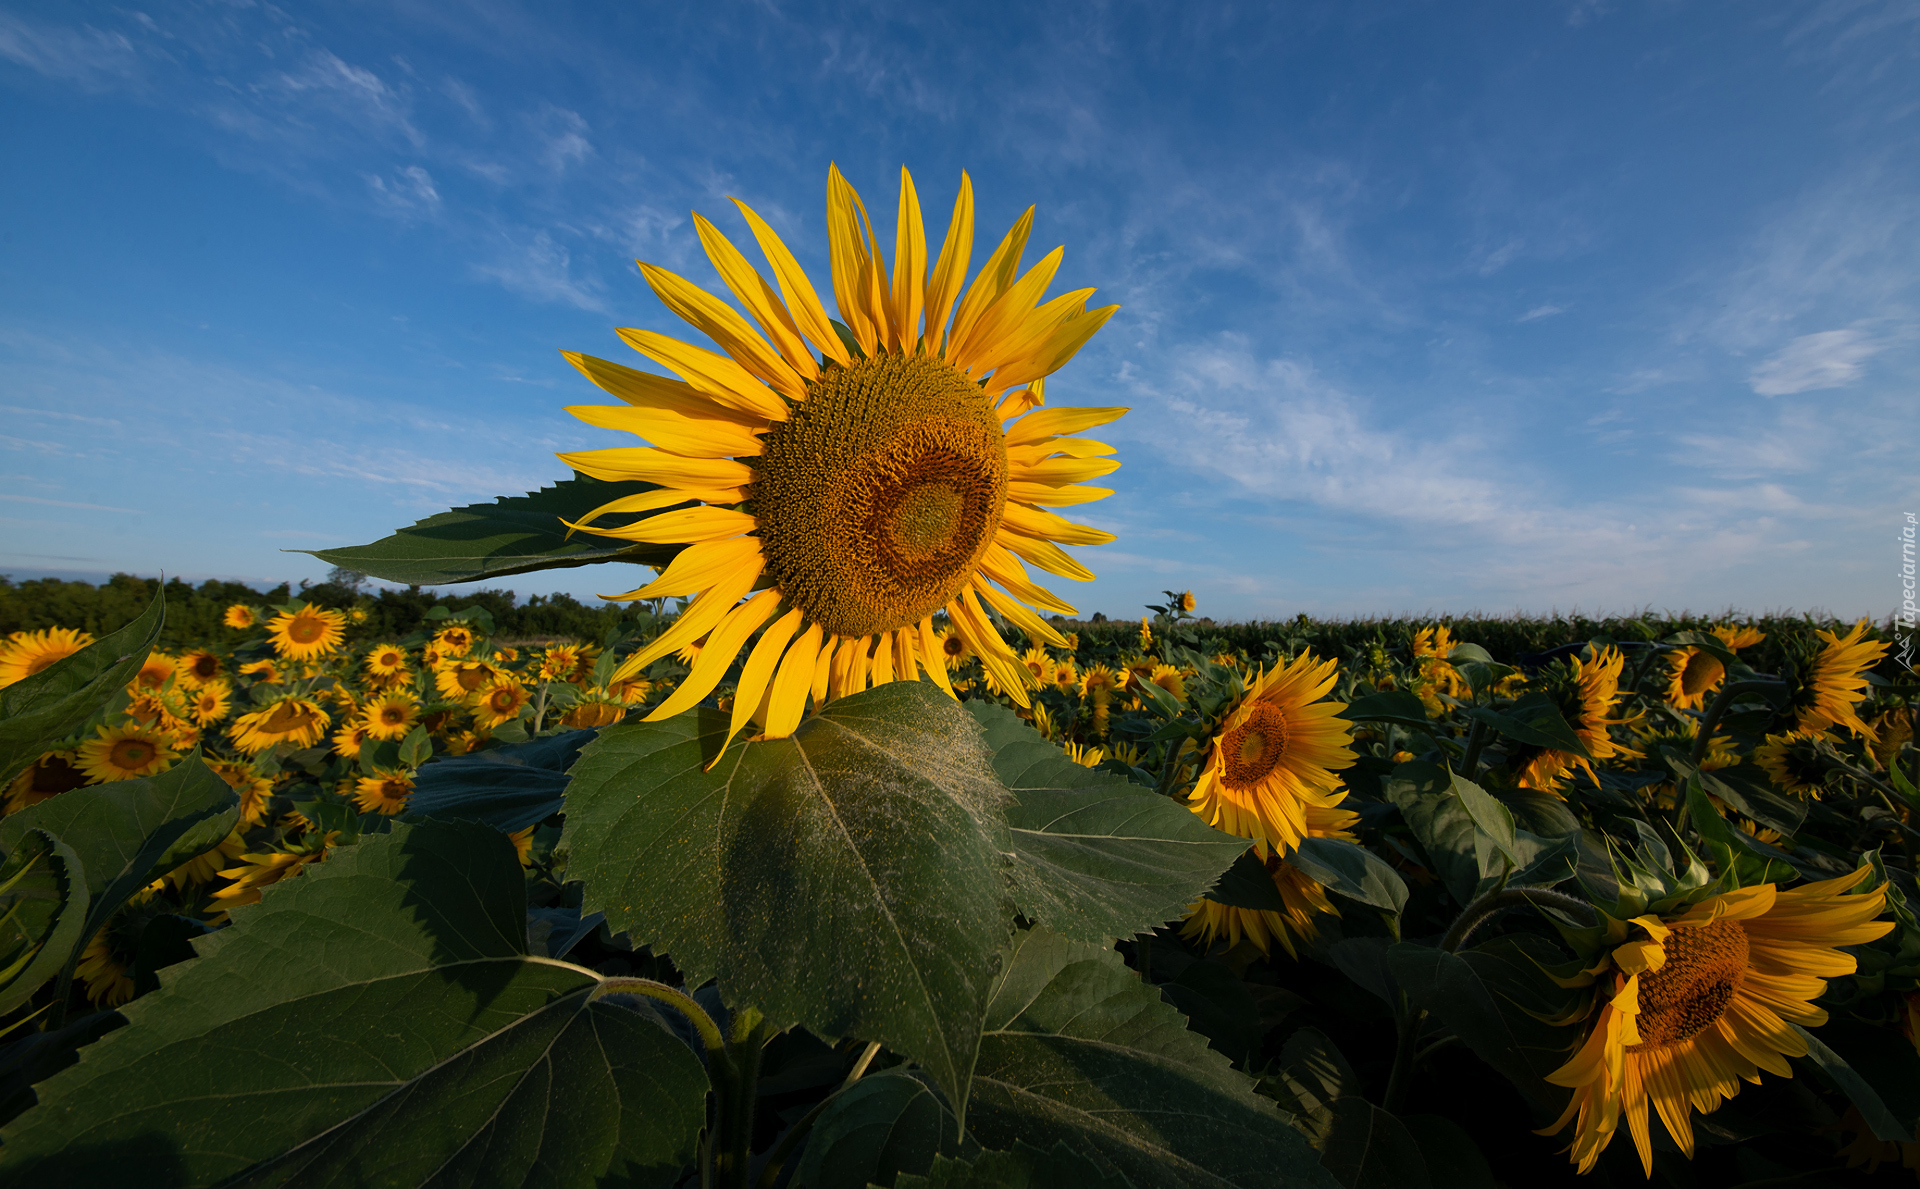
(390, 716)
(1437, 676)
(1836, 680)
(1187, 602)
(383, 792)
(1064, 675)
(26, 653)
(1692, 675)
(240, 616)
(1305, 899)
(105, 972)
(499, 701)
(291, 719)
(264, 672)
(895, 474)
(559, 661)
(1793, 761)
(260, 869)
(197, 667)
(124, 752)
(593, 712)
(1146, 633)
(55, 772)
(202, 868)
(255, 790)
(1586, 689)
(1687, 1005)
(1269, 769)
(459, 680)
(456, 639)
(307, 633)
(1086, 757)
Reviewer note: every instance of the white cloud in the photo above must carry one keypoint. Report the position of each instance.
(543, 270)
(1539, 312)
(410, 192)
(348, 92)
(91, 57)
(1829, 359)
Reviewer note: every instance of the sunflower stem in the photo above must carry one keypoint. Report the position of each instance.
(777, 1158)
(1499, 900)
(680, 1001)
(735, 1125)
(1407, 1021)
(1476, 739)
(1710, 721)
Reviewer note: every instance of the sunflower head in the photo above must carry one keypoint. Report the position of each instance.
(1211, 922)
(197, 668)
(55, 772)
(456, 639)
(384, 792)
(1796, 761)
(862, 482)
(390, 716)
(306, 633)
(239, 616)
(289, 719)
(27, 653)
(1834, 680)
(386, 660)
(1693, 674)
(499, 701)
(126, 751)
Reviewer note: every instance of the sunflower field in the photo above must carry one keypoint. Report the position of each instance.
(851, 856)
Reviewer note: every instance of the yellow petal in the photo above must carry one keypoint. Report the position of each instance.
(720, 323)
(974, 350)
(671, 431)
(716, 375)
(791, 683)
(1032, 522)
(1065, 343)
(718, 654)
(965, 614)
(823, 671)
(757, 673)
(852, 265)
(664, 497)
(933, 656)
(1001, 566)
(648, 391)
(1046, 555)
(685, 527)
(909, 265)
(1058, 472)
(1020, 615)
(652, 465)
(943, 286)
(1028, 492)
(701, 566)
(697, 620)
(1055, 422)
(759, 298)
(808, 314)
(1034, 452)
(995, 276)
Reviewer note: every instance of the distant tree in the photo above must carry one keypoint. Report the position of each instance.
(352, 580)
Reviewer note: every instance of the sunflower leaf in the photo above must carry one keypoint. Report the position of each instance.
(276, 1056)
(880, 1127)
(1025, 1167)
(40, 710)
(509, 788)
(513, 535)
(1534, 720)
(850, 878)
(1873, 1108)
(43, 896)
(1394, 706)
(1096, 857)
(1078, 1050)
(1353, 871)
(1368, 1148)
(1247, 884)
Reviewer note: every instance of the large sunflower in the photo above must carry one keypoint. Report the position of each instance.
(1269, 771)
(26, 653)
(1836, 680)
(896, 474)
(307, 633)
(1686, 1006)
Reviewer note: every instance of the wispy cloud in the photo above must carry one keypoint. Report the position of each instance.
(33, 499)
(1828, 359)
(540, 267)
(1539, 312)
(96, 59)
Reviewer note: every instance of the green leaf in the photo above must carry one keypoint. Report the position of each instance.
(374, 1021)
(43, 900)
(1367, 1148)
(128, 833)
(509, 788)
(1247, 884)
(1487, 995)
(1885, 1124)
(850, 878)
(1078, 1050)
(1453, 1159)
(39, 711)
(1096, 857)
(1025, 1167)
(513, 535)
(1394, 706)
(1491, 817)
(1534, 720)
(1353, 871)
(874, 1130)
(417, 748)
(1441, 824)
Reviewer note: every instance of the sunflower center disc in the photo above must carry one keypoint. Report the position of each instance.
(1705, 965)
(287, 716)
(305, 631)
(132, 753)
(1254, 746)
(877, 498)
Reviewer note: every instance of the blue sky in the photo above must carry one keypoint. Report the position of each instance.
(1427, 307)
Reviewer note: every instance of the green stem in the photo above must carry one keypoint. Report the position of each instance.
(680, 1001)
(1407, 1021)
(747, 1046)
(1476, 740)
(777, 1158)
(1499, 900)
(1710, 722)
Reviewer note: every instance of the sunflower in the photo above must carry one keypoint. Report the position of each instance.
(952, 647)
(386, 661)
(1691, 676)
(1036, 714)
(593, 712)
(55, 772)
(558, 662)
(1063, 675)
(456, 639)
(26, 653)
(351, 738)
(1187, 602)
(1836, 680)
(391, 716)
(1894, 729)
(197, 667)
(1793, 761)
(1170, 679)
(106, 974)
(1269, 771)
(499, 702)
(866, 489)
(1209, 921)
(255, 790)
(258, 870)
(1097, 685)
(505, 656)
(522, 840)
(1738, 636)
(210, 703)
(124, 752)
(1687, 1005)
(1585, 689)
(1431, 647)
(461, 742)
(289, 719)
(459, 680)
(383, 792)
(240, 616)
(263, 672)
(1146, 634)
(1040, 665)
(307, 633)
(1086, 757)
(204, 867)
(632, 691)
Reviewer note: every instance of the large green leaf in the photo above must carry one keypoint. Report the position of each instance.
(1536, 721)
(374, 1021)
(1025, 1167)
(1353, 871)
(1248, 884)
(1078, 1049)
(43, 902)
(513, 535)
(876, 1129)
(850, 878)
(1441, 824)
(1096, 856)
(1493, 997)
(508, 788)
(128, 833)
(40, 710)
